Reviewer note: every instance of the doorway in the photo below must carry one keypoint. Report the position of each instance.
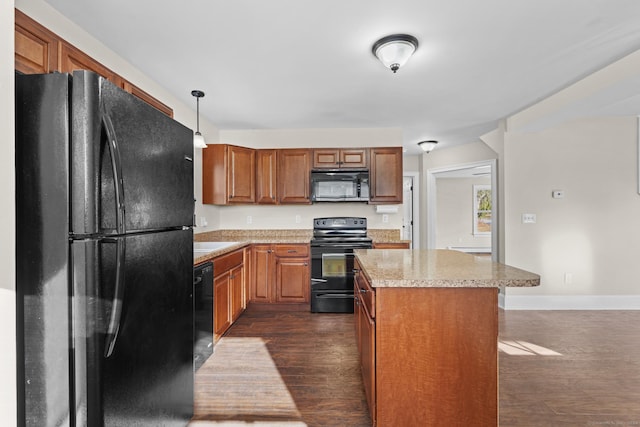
(410, 206)
(476, 230)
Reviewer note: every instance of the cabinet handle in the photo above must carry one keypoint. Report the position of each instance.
(292, 251)
(355, 270)
(269, 251)
(306, 264)
(363, 291)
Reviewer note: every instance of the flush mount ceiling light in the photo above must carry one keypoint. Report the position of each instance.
(427, 146)
(198, 139)
(395, 50)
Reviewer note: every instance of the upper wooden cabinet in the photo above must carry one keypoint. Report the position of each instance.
(266, 171)
(36, 48)
(385, 175)
(72, 58)
(40, 51)
(336, 158)
(294, 166)
(228, 174)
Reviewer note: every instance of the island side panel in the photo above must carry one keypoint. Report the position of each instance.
(436, 356)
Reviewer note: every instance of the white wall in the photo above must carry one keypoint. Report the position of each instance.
(593, 233)
(7, 219)
(454, 210)
(183, 113)
(283, 216)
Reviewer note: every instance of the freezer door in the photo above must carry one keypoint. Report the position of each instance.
(131, 165)
(134, 368)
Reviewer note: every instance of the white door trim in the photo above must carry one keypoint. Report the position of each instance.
(415, 237)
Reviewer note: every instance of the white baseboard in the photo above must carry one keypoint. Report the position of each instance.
(569, 302)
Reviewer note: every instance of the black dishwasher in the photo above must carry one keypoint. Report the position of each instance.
(203, 313)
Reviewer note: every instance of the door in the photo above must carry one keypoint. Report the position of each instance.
(132, 166)
(133, 329)
(407, 208)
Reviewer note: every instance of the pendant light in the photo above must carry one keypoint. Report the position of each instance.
(427, 146)
(198, 139)
(395, 50)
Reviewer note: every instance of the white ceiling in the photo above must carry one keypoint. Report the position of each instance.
(278, 64)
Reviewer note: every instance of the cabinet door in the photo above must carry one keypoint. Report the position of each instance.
(326, 158)
(293, 176)
(241, 175)
(367, 336)
(293, 280)
(72, 58)
(221, 296)
(236, 283)
(263, 274)
(266, 177)
(354, 158)
(36, 48)
(385, 175)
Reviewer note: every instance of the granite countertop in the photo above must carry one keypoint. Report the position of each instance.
(438, 268)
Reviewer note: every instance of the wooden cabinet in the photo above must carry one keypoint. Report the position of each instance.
(228, 174)
(391, 245)
(335, 158)
(40, 51)
(292, 273)
(294, 166)
(281, 274)
(385, 175)
(428, 356)
(72, 58)
(229, 290)
(266, 170)
(36, 48)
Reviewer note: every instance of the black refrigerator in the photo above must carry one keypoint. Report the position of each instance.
(104, 239)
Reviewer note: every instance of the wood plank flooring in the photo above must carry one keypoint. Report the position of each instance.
(300, 369)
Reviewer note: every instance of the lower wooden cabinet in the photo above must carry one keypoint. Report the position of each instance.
(428, 356)
(281, 274)
(229, 290)
(391, 245)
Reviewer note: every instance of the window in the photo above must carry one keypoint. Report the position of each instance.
(481, 209)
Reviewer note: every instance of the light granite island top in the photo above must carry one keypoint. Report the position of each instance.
(439, 268)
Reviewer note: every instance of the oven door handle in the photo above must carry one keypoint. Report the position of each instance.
(319, 280)
(333, 295)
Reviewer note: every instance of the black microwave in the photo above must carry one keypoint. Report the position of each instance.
(339, 186)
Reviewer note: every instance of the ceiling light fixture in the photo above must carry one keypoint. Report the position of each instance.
(395, 50)
(198, 139)
(427, 146)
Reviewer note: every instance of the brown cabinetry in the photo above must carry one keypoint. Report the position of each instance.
(40, 51)
(293, 176)
(266, 170)
(281, 274)
(428, 355)
(391, 245)
(385, 175)
(229, 290)
(36, 48)
(334, 158)
(228, 174)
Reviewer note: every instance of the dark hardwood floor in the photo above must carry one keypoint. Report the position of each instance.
(557, 368)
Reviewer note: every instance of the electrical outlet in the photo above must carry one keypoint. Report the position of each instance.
(568, 278)
(557, 194)
(249, 219)
(298, 219)
(528, 218)
(385, 218)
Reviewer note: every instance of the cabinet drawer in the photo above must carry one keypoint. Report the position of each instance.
(227, 262)
(366, 292)
(291, 250)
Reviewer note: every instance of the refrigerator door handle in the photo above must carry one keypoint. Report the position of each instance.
(118, 295)
(116, 166)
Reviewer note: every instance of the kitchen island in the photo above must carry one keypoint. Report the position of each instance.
(427, 330)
